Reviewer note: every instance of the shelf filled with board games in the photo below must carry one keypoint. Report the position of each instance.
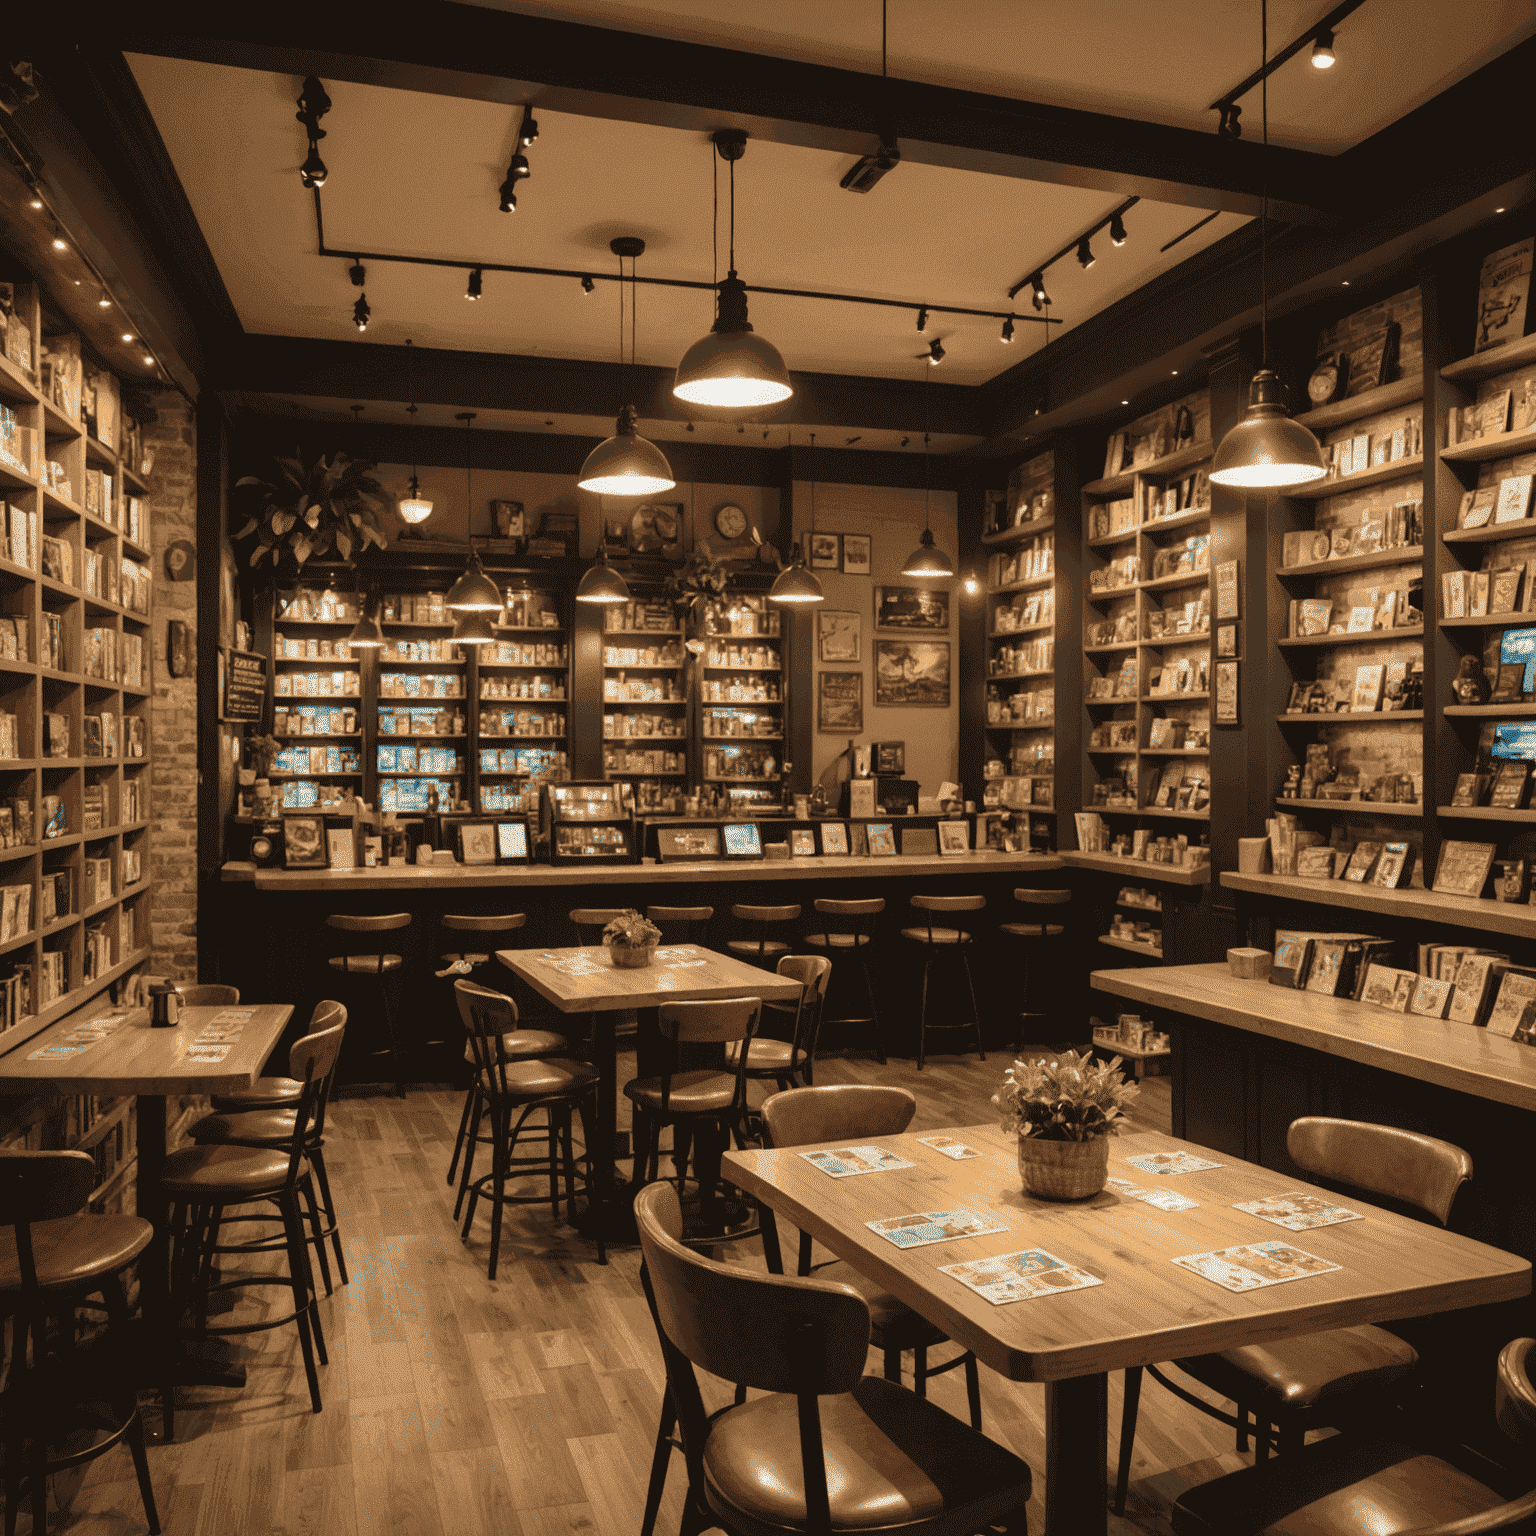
(646, 724)
(743, 683)
(1019, 763)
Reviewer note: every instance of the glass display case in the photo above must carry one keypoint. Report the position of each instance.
(590, 822)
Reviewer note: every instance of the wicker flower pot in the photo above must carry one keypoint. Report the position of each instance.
(1063, 1170)
(631, 959)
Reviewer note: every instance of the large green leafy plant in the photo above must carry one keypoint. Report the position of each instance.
(313, 511)
(1064, 1098)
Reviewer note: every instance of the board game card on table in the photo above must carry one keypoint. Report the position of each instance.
(949, 1147)
(924, 1227)
(1168, 1163)
(845, 1162)
(1163, 1199)
(1298, 1211)
(1254, 1265)
(1019, 1276)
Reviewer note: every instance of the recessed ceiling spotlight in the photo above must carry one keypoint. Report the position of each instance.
(1323, 56)
(149, 362)
(1125, 402)
(105, 303)
(1085, 256)
(59, 243)
(127, 335)
(1117, 231)
(34, 201)
(1346, 282)
(1498, 210)
(1175, 373)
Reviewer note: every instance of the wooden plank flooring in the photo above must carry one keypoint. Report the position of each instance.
(527, 1407)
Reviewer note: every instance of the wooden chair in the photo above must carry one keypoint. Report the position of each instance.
(1034, 938)
(1342, 1376)
(939, 940)
(847, 931)
(697, 1098)
(209, 994)
(782, 1062)
(55, 1259)
(372, 958)
(851, 1112)
(761, 950)
(506, 1087)
(202, 1182)
(831, 1449)
(681, 925)
(589, 922)
(1341, 1487)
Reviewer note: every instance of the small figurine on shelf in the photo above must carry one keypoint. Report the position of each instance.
(1470, 687)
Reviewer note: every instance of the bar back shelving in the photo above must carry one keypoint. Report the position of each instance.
(521, 720)
(646, 725)
(743, 683)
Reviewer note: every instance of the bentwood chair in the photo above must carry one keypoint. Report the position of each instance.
(208, 994)
(371, 957)
(52, 1259)
(1341, 1487)
(761, 949)
(855, 1112)
(1345, 1376)
(785, 1062)
(1034, 939)
(939, 940)
(681, 925)
(847, 931)
(830, 1449)
(589, 922)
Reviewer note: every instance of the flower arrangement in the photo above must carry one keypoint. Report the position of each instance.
(698, 585)
(629, 930)
(1065, 1098)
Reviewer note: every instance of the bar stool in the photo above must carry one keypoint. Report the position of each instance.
(945, 940)
(589, 922)
(852, 937)
(681, 925)
(762, 950)
(1049, 905)
(557, 1087)
(373, 960)
(57, 1258)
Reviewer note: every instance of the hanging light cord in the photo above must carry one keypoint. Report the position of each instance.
(813, 488)
(733, 218)
(1263, 186)
(927, 468)
(714, 228)
(884, 4)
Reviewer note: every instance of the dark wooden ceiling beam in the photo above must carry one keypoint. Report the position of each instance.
(472, 51)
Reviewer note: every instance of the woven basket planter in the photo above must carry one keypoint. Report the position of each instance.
(1063, 1170)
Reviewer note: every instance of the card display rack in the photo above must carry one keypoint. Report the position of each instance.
(75, 632)
(646, 714)
(744, 679)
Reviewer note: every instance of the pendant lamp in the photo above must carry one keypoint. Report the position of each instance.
(366, 634)
(474, 591)
(472, 628)
(732, 365)
(1266, 450)
(926, 562)
(797, 583)
(602, 584)
(626, 464)
(414, 508)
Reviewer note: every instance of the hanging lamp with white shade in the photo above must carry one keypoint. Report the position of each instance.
(927, 562)
(472, 627)
(474, 591)
(601, 583)
(366, 634)
(797, 583)
(414, 507)
(1267, 450)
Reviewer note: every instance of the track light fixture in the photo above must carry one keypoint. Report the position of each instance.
(1323, 56)
(922, 320)
(1085, 256)
(1117, 231)
(313, 105)
(530, 129)
(1007, 335)
(358, 273)
(474, 289)
(935, 352)
(361, 312)
(1229, 127)
(587, 285)
(1038, 297)
(508, 196)
(60, 243)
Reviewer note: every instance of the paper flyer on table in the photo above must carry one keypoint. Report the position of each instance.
(844, 1162)
(949, 1147)
(924, 1227)
(231, 1016)
(1298, 1211)
(1021, 1276)
(1163, 1199)
(1255, 1265)
(1167, 1163)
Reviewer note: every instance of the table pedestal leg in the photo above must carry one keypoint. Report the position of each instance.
(608, 1209)
(1076, 1482)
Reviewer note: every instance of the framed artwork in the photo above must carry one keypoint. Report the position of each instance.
(912, 672)
(1226, 639)
(1226, 692)
(834, 837)
(826, 549)
(508, 520)
(1227, 599)
(477, 843)
(802, 842)
(858, 839)
(953, 837)
(882, 840)
(912, 608)
(304, 842)
(656, 528)
(837, 635)
(840, 703)
(856, 554)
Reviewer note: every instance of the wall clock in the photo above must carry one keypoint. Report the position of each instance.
(730, 521)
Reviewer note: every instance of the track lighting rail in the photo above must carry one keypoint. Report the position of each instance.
(1111, 219)
(1225, 104)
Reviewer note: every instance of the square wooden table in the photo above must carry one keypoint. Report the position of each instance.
(151, 1064)
(585, 980)
(1147, 1310)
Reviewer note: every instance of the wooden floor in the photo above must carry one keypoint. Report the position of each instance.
(527, 1407)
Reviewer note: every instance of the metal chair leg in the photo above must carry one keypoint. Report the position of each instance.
(970, 985)
(874, 1010)
(395, 1056)
(660, 1457)
(922, 1017)
(1127, 1435)
(458, 1145)
(973, 1390)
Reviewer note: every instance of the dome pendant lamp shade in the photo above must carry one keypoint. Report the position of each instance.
(413, 508)
(474, 591)
(602, 584)
(366, 634)
(927, 562)
(796, 583)
(472, 628)
(626, 464)
(732, 366)
(1266, 450)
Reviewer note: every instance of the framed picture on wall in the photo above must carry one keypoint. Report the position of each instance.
(825, 551)
(911, 608)
(840, 703)
(912, 673)
(837, 635)
(856, 554)
(304, 842)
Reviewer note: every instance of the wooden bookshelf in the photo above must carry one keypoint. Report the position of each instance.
(728, 663)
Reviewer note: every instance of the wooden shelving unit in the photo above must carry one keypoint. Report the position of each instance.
(744, 682)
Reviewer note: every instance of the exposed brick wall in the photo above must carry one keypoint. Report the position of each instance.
(173, 718)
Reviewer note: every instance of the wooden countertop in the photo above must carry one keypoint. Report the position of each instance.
(413, 877)
(1138, 869)
(1435, 1051)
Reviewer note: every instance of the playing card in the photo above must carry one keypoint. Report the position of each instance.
(924, 1227)
(1167, 1163)
(56, 1052)
(949, 1147)
(1255, 1265)
(207, 1054)
(1019, 1276)
(233, 1016)
(1166, 1199)
(1297, 1211)
(847, 1161)
(218, 1037)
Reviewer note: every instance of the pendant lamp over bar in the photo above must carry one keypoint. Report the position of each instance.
(474, 591)
(927, 563)
(366, 633)
(797, 583)
(602, 584)
(1266, 450)
(732, 366)
(414, 508)
(472, 628)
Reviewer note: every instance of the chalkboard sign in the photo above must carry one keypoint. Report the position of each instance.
(245, 686)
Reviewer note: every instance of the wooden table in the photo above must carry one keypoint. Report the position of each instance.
(1147, 1310)
(152, 1064)
(585, 980)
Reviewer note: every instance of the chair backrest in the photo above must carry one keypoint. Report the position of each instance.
(949, 903)
(866, 906)
(715, 1022)
(589, 922)
(41, 1186)
(814, 973)
(797, 1117)
(502, 922)
(348, 922)
(1515, 1393)
(210, 994)
(747, 913)
(313, 1060)
(681, 925)
(1051, 898)
(328, 1015)
(487, 1016)
(1415, 1170)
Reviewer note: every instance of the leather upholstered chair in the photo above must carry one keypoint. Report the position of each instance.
(830, 1449)
(1343, 1376)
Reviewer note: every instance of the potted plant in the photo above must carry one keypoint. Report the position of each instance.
(1064, 1109)
(631, 940)
(308, 512)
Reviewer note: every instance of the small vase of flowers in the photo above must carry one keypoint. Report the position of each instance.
(1064, 1109)
(631, 940)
